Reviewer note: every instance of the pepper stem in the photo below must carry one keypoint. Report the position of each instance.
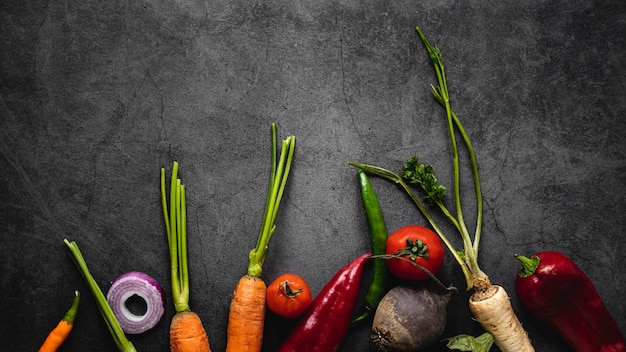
(529, 265)
(70, 315)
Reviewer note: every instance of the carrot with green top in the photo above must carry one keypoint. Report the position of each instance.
(122, 343)
(187, 333)
(59, 334)
(247, 308)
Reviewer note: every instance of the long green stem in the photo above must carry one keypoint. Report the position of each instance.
(278, 179)
(176, 229)
(447, 214)
(442, 91)
(474, 165)
(442, 95)
(122, 343)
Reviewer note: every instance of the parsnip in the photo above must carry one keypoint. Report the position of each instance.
(496, 315)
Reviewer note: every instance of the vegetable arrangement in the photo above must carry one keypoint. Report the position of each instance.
(247, 308)
(59, 334)
(187, 333)
(559, 293)
(489, 303)
(325, 324)
(406, 317)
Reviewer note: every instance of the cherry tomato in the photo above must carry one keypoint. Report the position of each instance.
(416, 243)
(288, 296)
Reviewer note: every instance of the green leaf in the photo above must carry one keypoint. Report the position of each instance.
(464, 342)
(423, 175)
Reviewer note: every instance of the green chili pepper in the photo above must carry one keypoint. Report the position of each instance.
(378, 238)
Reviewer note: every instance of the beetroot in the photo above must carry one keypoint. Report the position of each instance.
(408, 319)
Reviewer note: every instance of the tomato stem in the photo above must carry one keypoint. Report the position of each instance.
(399, 256)
(286, 289)
(415, 249)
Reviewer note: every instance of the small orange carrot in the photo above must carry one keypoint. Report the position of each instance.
(187, 333)
(247, 308)
(59, 334)
(247, 314)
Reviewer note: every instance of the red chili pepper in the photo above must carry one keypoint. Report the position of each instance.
(559, 293)
(325, 324)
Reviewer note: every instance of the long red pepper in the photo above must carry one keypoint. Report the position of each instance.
(325, 324)
(559, 293)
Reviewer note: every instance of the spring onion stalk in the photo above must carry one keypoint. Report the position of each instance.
(122, 343)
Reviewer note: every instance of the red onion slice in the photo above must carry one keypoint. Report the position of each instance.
(148, 289)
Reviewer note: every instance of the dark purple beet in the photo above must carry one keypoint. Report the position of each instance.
(408, 319)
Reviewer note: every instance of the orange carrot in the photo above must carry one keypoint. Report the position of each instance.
(59, 334)
(247, 313)
(247, 308)
(187, 333)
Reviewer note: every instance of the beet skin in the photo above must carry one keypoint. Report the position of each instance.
(408, 319)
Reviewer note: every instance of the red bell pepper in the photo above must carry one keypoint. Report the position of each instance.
(559, 293)
(325, 324)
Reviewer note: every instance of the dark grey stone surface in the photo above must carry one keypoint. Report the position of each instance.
(97, 96)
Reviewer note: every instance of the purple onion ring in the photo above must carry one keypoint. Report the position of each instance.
(148, 289)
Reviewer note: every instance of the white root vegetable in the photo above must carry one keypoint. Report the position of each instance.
(496, 315)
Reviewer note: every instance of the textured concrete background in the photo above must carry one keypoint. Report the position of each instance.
(97, 96)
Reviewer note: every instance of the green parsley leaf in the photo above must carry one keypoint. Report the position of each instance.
(423, 175)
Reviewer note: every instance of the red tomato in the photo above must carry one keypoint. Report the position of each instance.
(416, 243)
(288, 296)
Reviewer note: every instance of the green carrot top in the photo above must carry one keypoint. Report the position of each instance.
(176, 228)
(278, 179)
